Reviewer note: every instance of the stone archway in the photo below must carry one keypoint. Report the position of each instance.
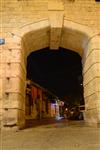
(38, 35)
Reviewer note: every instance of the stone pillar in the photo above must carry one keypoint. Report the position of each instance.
(91, 73)
(2, 74)
(13, 84)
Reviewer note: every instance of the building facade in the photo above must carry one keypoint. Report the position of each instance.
(38, 102)
(30, 25)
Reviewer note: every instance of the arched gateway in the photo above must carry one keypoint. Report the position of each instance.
(54, 34)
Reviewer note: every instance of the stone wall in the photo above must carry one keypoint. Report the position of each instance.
(18, 13)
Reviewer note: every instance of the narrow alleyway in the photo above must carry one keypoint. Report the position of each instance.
(60, 135)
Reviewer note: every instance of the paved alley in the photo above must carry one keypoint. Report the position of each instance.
(73, 135)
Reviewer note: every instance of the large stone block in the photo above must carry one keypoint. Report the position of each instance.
(73, 36)
(15, 70)
(90, 102)
(35, 29)
(2, 70)
(92, 87)
(92, 108)
(56, 20)
(13, 117)
(14, 100)
(38, 44)
(93, 44)
(55, 5)
(98, 115)
(21, 119)
(16, 85)
(1, 87)
(35, 36)
(10, 117)
(14, 42)
(13, 56)
(90, 116)
(92, 72)
(0, 117)
(93, 58)
(98, 105)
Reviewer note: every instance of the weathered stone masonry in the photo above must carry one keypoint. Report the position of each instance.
(54, 29)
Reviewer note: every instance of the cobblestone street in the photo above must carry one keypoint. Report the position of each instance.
(64, 135)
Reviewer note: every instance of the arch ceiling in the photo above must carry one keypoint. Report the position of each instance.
(36, 36)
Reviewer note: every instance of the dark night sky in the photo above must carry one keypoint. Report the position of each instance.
(60, 71)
